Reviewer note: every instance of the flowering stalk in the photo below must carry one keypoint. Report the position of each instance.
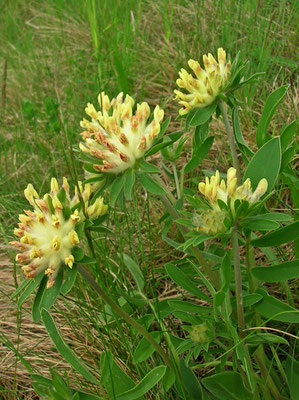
(231, 140)
(134, 324)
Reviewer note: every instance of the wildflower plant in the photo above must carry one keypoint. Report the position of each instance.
(220, 222)
(49, 234)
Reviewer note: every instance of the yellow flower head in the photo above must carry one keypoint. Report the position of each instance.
(208, 83)
(48, 233)
(215, 189)
(116, 138)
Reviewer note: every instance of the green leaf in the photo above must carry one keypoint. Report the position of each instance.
(226, 273)
(116, 188)
(70, 278)
(253, 78)
(259, 224)
(287, 135)
(259, 338)
(129, 184)
(34, 283)
(275, 216)
(277, 273)
(271, 104)
(144, 349)
(21, 287)
(64, 348)
(189, 117)
(159, 146)
(168, 379)
(199, 154)
(185, 222)
(78, 253)
(135, 271)
(115, 380)
(88, 260)
(181, 279)
(149, 184)
(219, 299)
(37, 299)
(227, 386)
(179, 305)
(88, 396)
(202, 115)
(180, 147)
(280, 236)
(275, 309)
(146, 384)
(250, 299)
(147, 167)
(164, 127)
(102, 229)
(265, 164)
(50, 295)
(190, 381)
(238, 134)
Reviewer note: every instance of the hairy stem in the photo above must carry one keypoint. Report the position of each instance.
(231, 140)
(115, 307)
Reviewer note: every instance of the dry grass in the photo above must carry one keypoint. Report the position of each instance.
(33, 342)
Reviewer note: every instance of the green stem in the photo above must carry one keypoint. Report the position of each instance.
(134, 324)
(231, 140)
(238, 279)
(182, 175)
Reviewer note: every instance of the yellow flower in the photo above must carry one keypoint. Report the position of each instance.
(48, 233)
(116, 138)
(210, 80)
(215, 189)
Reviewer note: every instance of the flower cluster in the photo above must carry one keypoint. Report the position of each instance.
(209, 82)
(48, 234)
(115, 138)
(214, 189)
